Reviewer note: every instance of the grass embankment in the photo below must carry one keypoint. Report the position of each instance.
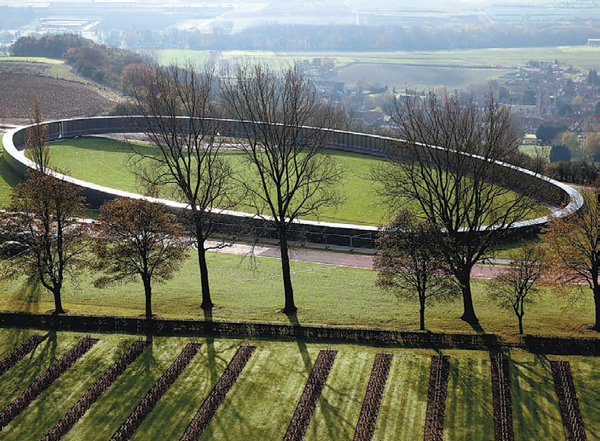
(325, 295)
(262, 401)
(8, 181)
(106, 162)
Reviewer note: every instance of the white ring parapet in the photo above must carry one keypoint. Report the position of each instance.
(371, 146)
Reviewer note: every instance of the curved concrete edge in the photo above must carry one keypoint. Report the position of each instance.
(20, 163)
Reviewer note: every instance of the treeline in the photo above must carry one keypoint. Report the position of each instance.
(50, 46)
(97, 62)
(361, 38)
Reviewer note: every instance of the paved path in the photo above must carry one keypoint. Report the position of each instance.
(339, 256)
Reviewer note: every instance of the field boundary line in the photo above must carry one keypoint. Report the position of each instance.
(285, 331)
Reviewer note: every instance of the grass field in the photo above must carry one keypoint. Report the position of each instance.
(48, 67)
(262, 401)
(110, 163)
(584, 57)
(243, 289)
(104, 161)
(455, 68)
(534, 150)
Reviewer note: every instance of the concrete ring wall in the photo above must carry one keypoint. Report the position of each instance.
(355, 236)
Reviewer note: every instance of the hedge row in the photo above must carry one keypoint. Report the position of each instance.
(436, 398)
(162, 385)
(200, 421)
(502, 398)
(365, 428)
(18, 354)
(310, 396)
(567, 401)
(408, 339)
(96, 391)
(45, 380)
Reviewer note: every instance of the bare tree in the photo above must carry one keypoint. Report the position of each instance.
(574, 247)
(176, 105)
(446, 166)
(517, 285)
(294, 175)
(36, 140)
(410, 265)
(53, 242)
(136, 237)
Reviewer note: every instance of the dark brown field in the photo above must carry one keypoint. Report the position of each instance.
(58, 98)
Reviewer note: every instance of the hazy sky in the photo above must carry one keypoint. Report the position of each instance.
(374, 3)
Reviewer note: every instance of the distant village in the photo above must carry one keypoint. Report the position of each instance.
(545, 93)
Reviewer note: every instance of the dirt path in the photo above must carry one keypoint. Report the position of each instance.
(337, 257)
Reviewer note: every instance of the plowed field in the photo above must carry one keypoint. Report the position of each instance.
(58, 98)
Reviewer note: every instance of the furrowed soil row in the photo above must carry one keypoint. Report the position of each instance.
(45, 380)
(503, 419)
(567, 400)
(310, 396)
(436, 398)
(365, 429)
(218, 393)
(162, 385)
(96, 391)
(19, 353)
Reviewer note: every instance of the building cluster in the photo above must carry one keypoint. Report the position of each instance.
(551, 93)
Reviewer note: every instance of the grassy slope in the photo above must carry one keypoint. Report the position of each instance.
(8, 180)
(324, 295)
(262, 401)
(47, 67)
(99, 160)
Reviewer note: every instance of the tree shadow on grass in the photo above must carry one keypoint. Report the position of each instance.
(469, 411)
(211, 353)
(308, 364)
(476, 326)
(536, 413)
(24, 373)
(29, 294)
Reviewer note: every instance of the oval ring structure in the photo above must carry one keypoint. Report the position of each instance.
(354, 236)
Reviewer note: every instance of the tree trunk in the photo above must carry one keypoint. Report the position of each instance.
(596, 326)
(520, 317)
(422, 316)
(58, 309)
(148, 293)
(206, 300)
(290, 307)
(468, 309)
